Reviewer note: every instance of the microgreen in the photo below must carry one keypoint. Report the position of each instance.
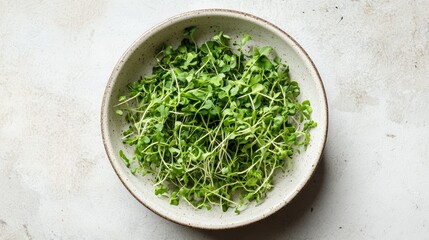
(213, 123)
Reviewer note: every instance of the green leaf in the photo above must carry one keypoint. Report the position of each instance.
(146, 139)
(227, 112)
(264, 62)
(119, 112)
(190, 56)
(216, 80)
(257, 88)
(174, 199)
(161, 189)
(189, 31)
(233, 62)
(189, 109)
(251, 182)
(168, 50)
(246, 37)
(163, 110)
(225, 69)
(208, 104)
(222, 38)
(126, 160)
(234, 90)
(265, 50)
(278, 121)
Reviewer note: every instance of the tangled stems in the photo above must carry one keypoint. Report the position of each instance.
(212, 124)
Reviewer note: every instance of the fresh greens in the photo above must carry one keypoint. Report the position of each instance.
(213, 123)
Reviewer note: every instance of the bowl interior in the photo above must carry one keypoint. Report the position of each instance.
(139, 59)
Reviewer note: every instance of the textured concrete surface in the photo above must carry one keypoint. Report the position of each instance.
(56, 181)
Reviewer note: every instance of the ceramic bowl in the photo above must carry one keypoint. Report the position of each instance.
(139, 59)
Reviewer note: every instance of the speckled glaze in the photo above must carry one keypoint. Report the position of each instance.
(139, 59)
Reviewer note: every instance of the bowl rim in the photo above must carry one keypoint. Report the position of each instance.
(128, 52)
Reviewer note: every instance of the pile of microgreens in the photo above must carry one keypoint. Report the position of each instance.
(212, 123)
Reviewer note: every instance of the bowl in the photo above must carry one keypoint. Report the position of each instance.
(138, 60)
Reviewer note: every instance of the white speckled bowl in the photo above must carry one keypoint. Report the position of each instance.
(139, 59)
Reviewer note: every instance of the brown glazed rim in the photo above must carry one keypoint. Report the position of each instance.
(118, 66)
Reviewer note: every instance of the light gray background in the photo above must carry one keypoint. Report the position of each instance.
(56, 181)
